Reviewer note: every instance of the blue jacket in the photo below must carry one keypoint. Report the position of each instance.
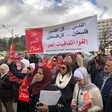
(107, 88)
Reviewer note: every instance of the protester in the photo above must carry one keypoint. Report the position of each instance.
(42, 81)
(23, 104)
(65, 82)
(86, 96)
(93, 64)
(32, 58)
(6, 57)
(17, 81)
(72, 61)
(109, 104)
(24, 64)
(6, 92)
(55, 69)
(104, 81)
(79, 58)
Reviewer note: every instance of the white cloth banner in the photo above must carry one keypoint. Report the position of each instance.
(76, 36)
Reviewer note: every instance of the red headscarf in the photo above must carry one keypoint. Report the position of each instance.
(38, 86)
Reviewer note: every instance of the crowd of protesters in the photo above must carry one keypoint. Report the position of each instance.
(83, 89)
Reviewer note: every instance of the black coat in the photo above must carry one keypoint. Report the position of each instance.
(109, 105)
(67, 92)
(6, 91)
(35, 98)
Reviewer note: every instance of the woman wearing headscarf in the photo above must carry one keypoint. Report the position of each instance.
(86, 96)
(6, 92)
(65, 82)
(23, 104)
(42, 81)
(24, 64)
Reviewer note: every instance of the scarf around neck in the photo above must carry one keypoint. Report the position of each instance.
(62, 81)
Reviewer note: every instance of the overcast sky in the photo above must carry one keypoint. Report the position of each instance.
(21, 14)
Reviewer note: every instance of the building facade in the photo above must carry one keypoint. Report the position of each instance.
(105, 29)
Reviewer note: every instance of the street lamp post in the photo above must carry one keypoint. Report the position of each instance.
(12, 46)
(10, 31)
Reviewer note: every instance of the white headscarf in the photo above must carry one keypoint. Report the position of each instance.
(78, 74)
(26, 63)
(87, 82)
(32, 65)
(5, 68)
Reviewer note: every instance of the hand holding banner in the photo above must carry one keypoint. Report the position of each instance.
(12, 54)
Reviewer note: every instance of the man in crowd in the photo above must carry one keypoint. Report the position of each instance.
(104, 81)
(99, 59)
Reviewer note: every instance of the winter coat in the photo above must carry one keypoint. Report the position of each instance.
(107, 87)
(109, 105)
(35, 98)
(67, 91)
(6, 91)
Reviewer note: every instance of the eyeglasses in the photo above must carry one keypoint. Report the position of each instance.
(62, 68)
(29, 68)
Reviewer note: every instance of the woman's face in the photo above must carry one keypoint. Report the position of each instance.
(39, 75)
(79, 81)
(69, 59)
(63, 69)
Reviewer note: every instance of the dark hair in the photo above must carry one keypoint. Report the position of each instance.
(55, 57)
(68, 67)
(102, 49)
(101, 61)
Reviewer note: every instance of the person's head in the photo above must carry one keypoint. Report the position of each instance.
(54, 60)
(42, 78)
(65, 68)
(6, 57)
(43, 75)
(108, 66)
(4, 69)
(71, 59)
(100, 62)
(101, 52)
(31, 55)
(81, 76)
(24, 64)
(32, 68)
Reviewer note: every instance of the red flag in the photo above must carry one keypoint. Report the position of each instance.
(34, 40)
(59, 63)
(24, 93)
(49, 64)
(12, 50)
(44, 61)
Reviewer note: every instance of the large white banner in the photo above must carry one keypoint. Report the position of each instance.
(76, 36)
